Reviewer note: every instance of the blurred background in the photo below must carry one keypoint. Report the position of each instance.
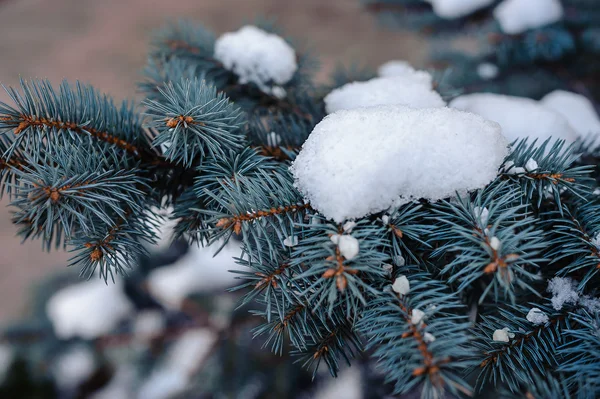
(105, 43)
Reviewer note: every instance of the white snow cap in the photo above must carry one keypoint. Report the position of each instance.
(89, 309)
(577, 109)
(451, 9)
(503, 335)
(519, 117)
(592, 305)
(401, 285)
(148, 324)
(197, 271)
(428, 337)
(395, 68)
(413, 90)
(517, 16)
(364, 161)
(347, 245)
(537, 316)
(163, 384)
(563, 290)
(257, 56)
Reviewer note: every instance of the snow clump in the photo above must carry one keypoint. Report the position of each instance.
(364, 161)
(259, 57)
(517, 16)
(577, 109)
(563, 290)
(412, 89)
(451, 9)
(537, 316)
(519, 117)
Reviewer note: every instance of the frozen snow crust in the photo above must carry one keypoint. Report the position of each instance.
(362, 161)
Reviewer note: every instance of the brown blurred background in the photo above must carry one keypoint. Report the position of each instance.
(104, 42)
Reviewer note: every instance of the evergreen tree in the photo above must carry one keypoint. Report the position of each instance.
(405, 238)
(525, 47)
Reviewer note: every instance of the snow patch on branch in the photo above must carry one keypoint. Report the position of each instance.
(517, 16)
(519, 117)
(577, 109)
(452, 9)
(88, 310)
(197, 271)
(257, 56)
(364, 161)
(412, 89)
(563, 290)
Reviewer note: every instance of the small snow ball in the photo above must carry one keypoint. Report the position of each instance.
(517, 16)
(503, 335)
(401, 285)
(519, 117)
(364, 161)
(395, 68)
(257, 56)
(348, 245)
(412, 89)
(451, 9)
(537, 316)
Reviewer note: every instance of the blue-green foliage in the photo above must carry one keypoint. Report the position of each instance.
(562, 55)
(88, 175)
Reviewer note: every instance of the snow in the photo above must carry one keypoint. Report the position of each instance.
(531, 165)
(290, 241)
(577, 109)
(519, 117)
(163, 384)
(428, 337)
(182, 360)
(417, 316)
(411, 90)
(348, 385)
(395, 68)
(517, 16)
(347, 245)
(403, 69)
(120, 385)
(596, 240)
(399, 260)
(148, 324)
(495, 243)
(452, 9)
(6, 360)
(563, 290)
(74, 367)
(197, 271)
(364, 161)
(482, 215)
(592, 305)
(188, 353)
(348, 226)
(88, 310)
(401, 285)
(503, 335)
(257, 56)
(537, 316)
(487, 70)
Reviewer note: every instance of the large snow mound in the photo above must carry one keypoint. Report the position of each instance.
(363, 161)
(517, 16)
(451, 9)
(577, 109)
(519, 117)
(257, 56)
(88, 310)
(412, 89)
